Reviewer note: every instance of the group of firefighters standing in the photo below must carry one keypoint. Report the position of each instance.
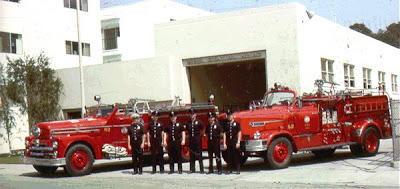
(157, 136)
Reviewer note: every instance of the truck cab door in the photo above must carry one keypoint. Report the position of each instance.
(306, 120)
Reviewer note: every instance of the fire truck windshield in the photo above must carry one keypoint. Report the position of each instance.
(278, 98)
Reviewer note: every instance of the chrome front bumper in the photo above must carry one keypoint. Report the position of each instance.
(43, 161)
(256, 145)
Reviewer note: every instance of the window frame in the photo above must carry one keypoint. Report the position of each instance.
(117, 34)
(394, 83)
(12, 43)
(349, 79)
(71, 48)
(327, 70)
(381, 80)
(82, 6)
(367, 81)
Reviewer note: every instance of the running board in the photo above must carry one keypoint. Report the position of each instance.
(332, 146)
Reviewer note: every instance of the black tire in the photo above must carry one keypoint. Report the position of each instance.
(46, 170)
(79, 160)
(370, 142)
(279, 153)
(356, 149)
(324, 153)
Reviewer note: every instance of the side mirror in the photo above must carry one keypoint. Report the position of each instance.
(299, 102)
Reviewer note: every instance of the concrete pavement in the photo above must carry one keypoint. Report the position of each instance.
(341, 171)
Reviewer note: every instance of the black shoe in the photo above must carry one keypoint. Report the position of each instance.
(170, 172)
(210, 172)
(220, 172)
(153, 172)
(238, 172)
(134, 173)
(140, 173)
(201, 172)
(180, 172)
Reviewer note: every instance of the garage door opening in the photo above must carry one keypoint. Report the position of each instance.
(234, 84)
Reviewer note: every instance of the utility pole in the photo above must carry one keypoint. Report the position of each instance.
(78, 7)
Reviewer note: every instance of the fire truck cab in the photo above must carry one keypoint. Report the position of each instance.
(283, 123)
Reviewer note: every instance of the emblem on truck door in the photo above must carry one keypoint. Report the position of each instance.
(306, 119)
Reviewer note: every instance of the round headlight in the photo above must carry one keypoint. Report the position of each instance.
(257, 135)
(26, 143)
(36, 131)
(55, 144)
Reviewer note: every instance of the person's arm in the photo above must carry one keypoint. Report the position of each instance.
(143, 140)
(183, 138)
(129, 143)
(148, 139)
(225, 147)
(165, 137)
(239, 135)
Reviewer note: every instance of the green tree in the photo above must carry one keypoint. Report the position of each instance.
(6, 113)
(360, 27)
(32, 85)
(391, 35)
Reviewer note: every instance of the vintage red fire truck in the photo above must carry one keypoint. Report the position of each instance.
(283, 123)
(75, 144)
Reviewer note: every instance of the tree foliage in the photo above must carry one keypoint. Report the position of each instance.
(6, 113)
(32, 85)
(390, 36)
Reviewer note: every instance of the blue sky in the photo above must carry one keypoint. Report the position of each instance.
(375, 14)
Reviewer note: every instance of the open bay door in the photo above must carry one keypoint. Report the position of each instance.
(234, 79)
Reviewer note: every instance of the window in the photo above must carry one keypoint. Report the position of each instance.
(110, 37)
(327, 70)
(72, 4)
(381, 79)
(72, 48)
(394, 83)
(349, 80)
(10, 43)
(15, 1)
(367, 78)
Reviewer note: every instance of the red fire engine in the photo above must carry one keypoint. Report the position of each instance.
(283, 123)
(75, 144)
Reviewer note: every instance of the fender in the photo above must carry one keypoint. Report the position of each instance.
(270, 135)
(362, 125)
(66, 142)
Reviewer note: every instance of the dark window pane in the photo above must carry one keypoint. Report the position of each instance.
(75, 48)
(84, 5)
(68, 47)
(110, 39)
(72, 4)
(4, 42)
(66, 3)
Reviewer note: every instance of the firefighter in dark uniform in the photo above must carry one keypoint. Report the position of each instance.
(176, 139)
(136, 141)
(214, 131)
(232, 137)
(155, 132)
(194, 127)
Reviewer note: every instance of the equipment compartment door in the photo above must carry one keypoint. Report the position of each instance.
(306, 120)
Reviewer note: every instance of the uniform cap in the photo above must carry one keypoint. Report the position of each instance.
(172, 114)
(229, 112)
(135, 116)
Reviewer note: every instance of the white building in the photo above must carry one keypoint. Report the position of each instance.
(128, 30)
(28, 27)
(237, 56)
